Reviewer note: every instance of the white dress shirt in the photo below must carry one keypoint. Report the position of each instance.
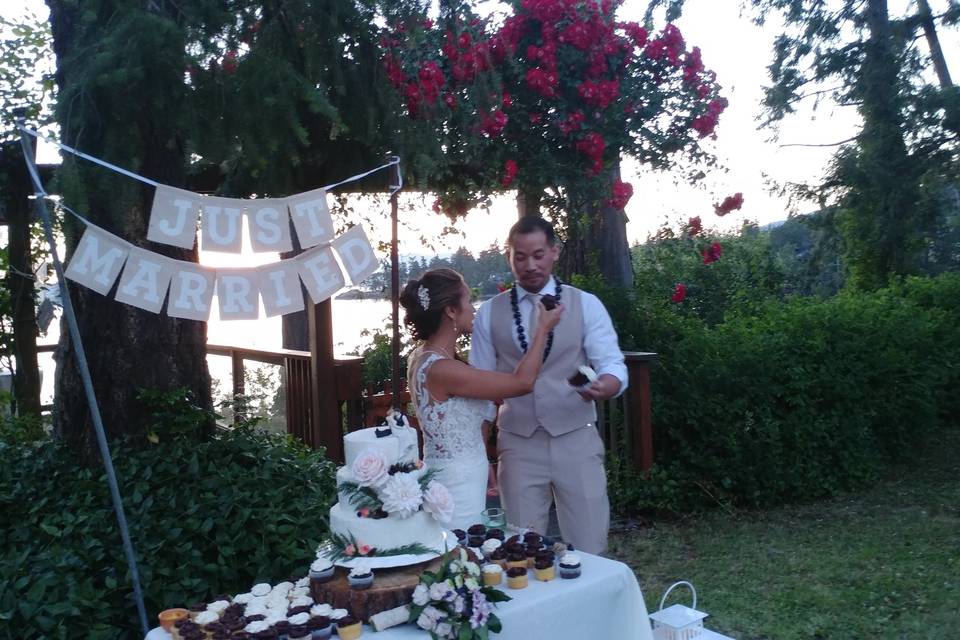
(599, 337)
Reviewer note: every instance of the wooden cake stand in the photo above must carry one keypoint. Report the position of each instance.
(391, 588)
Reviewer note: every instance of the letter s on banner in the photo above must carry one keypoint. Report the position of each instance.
(269, 225)
(173, 217)
(97, 261)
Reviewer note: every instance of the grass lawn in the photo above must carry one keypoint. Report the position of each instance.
(881, 563)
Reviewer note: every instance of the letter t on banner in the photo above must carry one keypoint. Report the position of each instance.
(356, 254)
(311, 218)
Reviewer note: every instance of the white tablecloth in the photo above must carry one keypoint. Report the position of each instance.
(604, 602)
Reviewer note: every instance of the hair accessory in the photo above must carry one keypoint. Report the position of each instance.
(423, 295)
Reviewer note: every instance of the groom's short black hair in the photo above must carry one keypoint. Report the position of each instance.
(530, 224)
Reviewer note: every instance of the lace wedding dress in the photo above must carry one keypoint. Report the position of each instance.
(453, 440)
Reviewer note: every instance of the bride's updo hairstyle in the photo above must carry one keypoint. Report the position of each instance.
(425, 299)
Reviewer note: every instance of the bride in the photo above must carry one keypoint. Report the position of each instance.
(453, 399)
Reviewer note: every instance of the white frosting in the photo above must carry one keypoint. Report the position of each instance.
(300, 618)
(400, 446)
(321, 564)
(570, 559)
(490, 546)
(360, 569)
(206, 617)
(257, 626)
(218, 606)
(492, 568)
(243, 598)
(387, 533)
(283, 588)
(302, 582)
(255, 609)
(321, 610)
(299, 592)
(261, 589)
(302, 601)
(337, 614)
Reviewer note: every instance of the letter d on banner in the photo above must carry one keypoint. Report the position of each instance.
(173, 217)
(356, 254)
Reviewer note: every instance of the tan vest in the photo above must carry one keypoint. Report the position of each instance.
(554, 404)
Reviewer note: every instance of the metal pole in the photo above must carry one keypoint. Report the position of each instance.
(70, 315)
(395, 285)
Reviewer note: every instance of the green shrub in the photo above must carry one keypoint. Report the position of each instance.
(205, 518)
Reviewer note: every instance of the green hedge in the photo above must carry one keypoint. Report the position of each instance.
(205, 518)
(795, 400)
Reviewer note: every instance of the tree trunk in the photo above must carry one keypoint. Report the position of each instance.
(597, 240)
(131, 119)
(16, 189)
(528, 202)
(936, 52)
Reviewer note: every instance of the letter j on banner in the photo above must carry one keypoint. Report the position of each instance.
(173, 218)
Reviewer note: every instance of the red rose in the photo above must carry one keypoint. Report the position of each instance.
(730, 203)
(679, 293)
(622, 192)
(712, 253)
(694, 226)
(509, 172)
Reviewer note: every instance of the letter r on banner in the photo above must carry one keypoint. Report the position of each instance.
(97, 261)
(356, 254)
(237, 293)
(173, 217)
(191, 291)
(320, 273)
(311, 217)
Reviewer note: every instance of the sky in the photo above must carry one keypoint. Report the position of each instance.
(750, 162)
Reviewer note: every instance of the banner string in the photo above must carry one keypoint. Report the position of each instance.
(153, 183)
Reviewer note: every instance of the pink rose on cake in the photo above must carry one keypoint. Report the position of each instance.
(401, 495)
(370, 468)
(438, 502)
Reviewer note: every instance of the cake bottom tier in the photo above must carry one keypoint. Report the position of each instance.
(388, 533)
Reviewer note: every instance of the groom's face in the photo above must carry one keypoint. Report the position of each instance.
(532, 259)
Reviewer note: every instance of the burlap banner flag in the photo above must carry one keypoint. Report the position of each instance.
(311, 218)
(238, 293)
(356, 254)
(222, 224)
(191, 292)
(173, 218)
(98, 259)
(280, 287)
(269, 225)
(320, 273)
(145, 279)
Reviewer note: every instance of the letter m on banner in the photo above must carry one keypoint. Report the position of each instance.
(98, 260)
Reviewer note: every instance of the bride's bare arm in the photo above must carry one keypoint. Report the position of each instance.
(454, 378)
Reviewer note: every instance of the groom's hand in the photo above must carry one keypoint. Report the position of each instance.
(606, 386)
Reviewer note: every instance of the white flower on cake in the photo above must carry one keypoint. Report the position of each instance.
(401, 495)
(438, 502)
(370, 468)
(421, 595)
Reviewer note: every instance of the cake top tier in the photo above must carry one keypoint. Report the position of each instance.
(396, 441)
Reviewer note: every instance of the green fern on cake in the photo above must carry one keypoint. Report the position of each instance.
(361, 496)
(346, 547)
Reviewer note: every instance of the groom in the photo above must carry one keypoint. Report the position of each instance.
(548, 446)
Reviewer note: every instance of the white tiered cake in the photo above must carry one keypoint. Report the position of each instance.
(390, 511)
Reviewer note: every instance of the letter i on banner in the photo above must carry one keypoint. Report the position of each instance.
(311, 218)
(280, 287)
(145, 280)
(320, 273)
(97, 261)
(191, 291)
(356, 254)
(173, 217)
(238, 294)
(222, 224)
(269, 225)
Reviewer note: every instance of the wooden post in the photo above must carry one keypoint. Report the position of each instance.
(638, 400)
(325, 428)
(395, 286)
(239, 384)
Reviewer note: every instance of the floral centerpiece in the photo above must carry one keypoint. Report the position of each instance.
(452, 602)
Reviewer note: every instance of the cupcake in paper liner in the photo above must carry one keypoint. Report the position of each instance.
(570, 566)
(583, 377)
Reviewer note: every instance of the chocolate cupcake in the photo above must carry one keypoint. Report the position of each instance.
(320, 627)
(499, 557)
(530, 552)
(321, 570)
(477, 530)
(349, 628)
(475, 541)
(282, 627)
(461, 535)
(532, 537)
(292, 611)
(514, 539)
(544, 570)
(570, 566)
(196, 609)
(360, 577)
(496, 534)
(299, 632)
(517, 578)
(516, 561)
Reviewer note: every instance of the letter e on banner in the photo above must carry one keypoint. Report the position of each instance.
(269, 225)
(97, 261)
(222, 224)
(191, 291)
(238, 294)
(320, 273)
(311, 217)
(356, 254)
(280, 287)
(145, 279)
(173, 217)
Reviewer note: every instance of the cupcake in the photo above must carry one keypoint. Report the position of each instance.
(514, 539)
(299, 632)
(170, 617)
(298, 619)
(495, 534)
(294, 611)
(321, 610)
(544, 570)
(320, 627)
(349, 628)
(461, 535)
(570, 566)
(516, 561)
(532, 537)
(205, 618)
(499, 557)
(256, 627)
(489, 546)
(477, 530)
(282, 627)
(337, 615)
(531, 551)
(196, 609)
(361, 576)
(517, 578)
(261, 589)
(218, 606)
(178, 626)
(492, 574)
(321, 570)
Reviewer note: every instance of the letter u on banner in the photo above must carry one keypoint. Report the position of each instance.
(191, 291)
(311, 217)
(97, 261)
(356, 254)
(222, 224)
(145, 279)
(320, 273)
(173, 217)
(238, 294)
(269, 225)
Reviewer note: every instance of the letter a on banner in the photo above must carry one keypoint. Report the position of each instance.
(269, 225)
(320, 273)
(237, 293)
(311, 217)
(145, 280)
(222, 224)
(191, 292)
(173, 218)
(98, 259)
(356, 254)
(280, 287)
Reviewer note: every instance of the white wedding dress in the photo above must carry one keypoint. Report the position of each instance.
(453, 441)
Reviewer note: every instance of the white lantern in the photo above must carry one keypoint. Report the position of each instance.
(678, 622)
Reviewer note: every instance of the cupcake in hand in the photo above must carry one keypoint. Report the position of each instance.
(517, 577)
(570, 566)
(361, 576)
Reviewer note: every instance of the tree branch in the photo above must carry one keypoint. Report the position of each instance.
(832, 144)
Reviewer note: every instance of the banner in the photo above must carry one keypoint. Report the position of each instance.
(356, 254)
(222, 224)
(238, 293)
(173, 217)
(280, 288)
(145, 280)
(320, 273)
(311, 218)
(269, 225)
(98, 260)
(191, 292)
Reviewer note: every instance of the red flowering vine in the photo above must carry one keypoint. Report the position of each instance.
(730, 203)
(509, 172)
(622, 192)
(694, 226)
(712, 253)
(679, 293)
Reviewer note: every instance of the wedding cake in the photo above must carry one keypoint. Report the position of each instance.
(389, 504)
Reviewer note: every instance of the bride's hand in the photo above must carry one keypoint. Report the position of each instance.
(549, 318)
